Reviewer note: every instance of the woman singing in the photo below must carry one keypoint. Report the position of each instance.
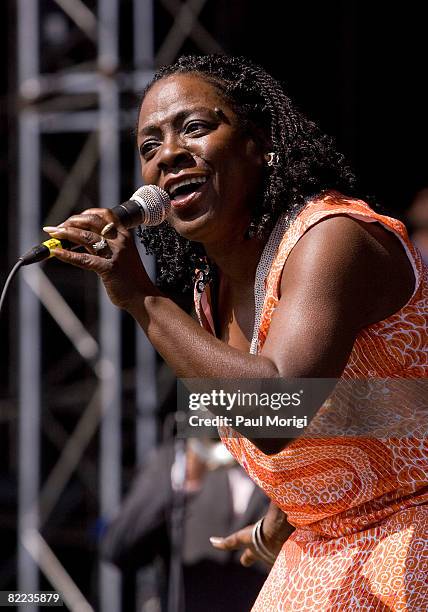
(297, 278)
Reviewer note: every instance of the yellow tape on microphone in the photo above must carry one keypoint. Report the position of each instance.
(52, 243)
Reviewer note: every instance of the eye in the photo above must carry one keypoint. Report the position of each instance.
(148, 147)
(197, 126)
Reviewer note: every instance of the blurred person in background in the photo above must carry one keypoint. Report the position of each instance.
(219, 498)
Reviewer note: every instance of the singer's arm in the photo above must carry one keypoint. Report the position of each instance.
(309, 334)
(340, 277)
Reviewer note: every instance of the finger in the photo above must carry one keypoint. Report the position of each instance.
(84, 237)
(100, 212)
(232, 542)
(111, 223)
(247, 558)
(87, 220)
(86, 261)
(102, 226)
(217, 542)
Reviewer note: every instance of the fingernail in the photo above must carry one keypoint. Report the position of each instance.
(107, 228)
(216, 541)
(50, 228)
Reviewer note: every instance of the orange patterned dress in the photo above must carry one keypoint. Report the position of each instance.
(359, 505)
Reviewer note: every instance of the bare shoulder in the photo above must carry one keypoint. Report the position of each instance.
(352, 262)
(341, 276)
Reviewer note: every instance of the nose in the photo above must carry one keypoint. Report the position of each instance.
(172, 154)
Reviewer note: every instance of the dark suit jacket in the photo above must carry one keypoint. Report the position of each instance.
(213, 579)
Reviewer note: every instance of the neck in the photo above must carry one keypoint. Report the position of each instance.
(236, 260)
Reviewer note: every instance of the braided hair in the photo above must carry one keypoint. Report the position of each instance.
(308, 162)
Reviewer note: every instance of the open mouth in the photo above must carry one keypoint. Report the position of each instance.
(182, 192)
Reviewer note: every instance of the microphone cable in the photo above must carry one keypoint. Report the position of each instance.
(12, 273)
(38, 253)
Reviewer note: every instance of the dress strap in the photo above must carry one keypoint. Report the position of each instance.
(263, 267)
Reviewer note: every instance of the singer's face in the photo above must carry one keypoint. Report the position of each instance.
(187, 132)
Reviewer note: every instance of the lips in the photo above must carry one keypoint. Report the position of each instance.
(186, 200)
(185, 189)
(186, 183)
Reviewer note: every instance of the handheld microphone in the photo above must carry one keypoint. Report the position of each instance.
(149, 205)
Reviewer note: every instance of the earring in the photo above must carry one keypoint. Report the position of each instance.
(272, 159)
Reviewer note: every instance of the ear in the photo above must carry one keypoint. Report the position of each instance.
(263, 143)
(259, 144)
(262, 139)
(255, 151)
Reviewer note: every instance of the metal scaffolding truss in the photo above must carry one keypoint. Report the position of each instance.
(85, 100)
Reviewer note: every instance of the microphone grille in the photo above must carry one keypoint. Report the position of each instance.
(155, 203)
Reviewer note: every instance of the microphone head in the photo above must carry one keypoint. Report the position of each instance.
(155, 203)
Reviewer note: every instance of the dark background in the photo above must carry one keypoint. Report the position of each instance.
(357, 68)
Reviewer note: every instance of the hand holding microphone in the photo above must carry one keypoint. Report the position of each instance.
(149, 205)
(110, 249)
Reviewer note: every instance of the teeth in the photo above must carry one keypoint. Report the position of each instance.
(200, 181)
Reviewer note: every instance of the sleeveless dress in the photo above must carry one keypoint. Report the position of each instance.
(359, 505)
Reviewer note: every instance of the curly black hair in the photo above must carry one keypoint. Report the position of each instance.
(308, 160)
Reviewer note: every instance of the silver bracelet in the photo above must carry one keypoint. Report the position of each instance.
(261, 549)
